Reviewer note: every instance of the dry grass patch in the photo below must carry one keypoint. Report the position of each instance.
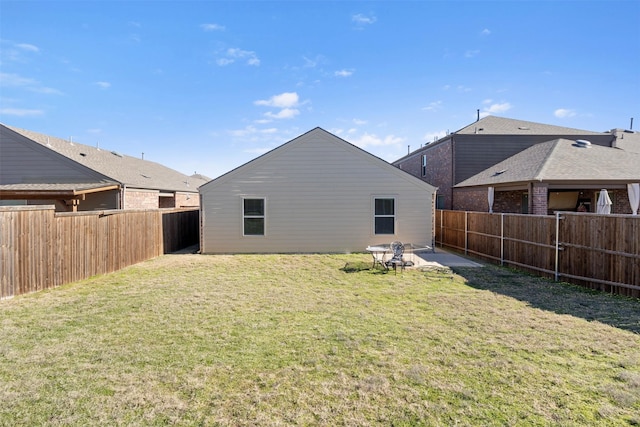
(302, 340)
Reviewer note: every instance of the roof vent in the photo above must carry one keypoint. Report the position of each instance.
(500, 172)
(83, 154)
(524, 128)
(583, 143)
(116, 154)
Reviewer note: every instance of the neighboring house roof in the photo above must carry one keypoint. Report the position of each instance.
(628, 140)
(63, 190)
(492, 125)
(123, 169)
(561, 160)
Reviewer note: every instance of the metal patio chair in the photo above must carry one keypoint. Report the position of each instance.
(397, 249)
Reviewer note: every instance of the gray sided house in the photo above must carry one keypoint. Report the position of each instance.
(488, 141)
(314, 194)
(41, 169)
(557, 175)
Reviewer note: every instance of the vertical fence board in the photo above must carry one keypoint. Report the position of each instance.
(41, 249)
(597, 251)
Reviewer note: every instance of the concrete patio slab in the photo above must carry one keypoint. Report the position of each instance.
(441, 258)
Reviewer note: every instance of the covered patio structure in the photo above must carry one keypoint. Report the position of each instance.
(558, 175)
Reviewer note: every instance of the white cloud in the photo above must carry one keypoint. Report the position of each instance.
(21, 112)
(343, 73)
(28, 47)
(373, 140)
(462, 88)
(564, 113)
(103, 85)
(212, 27)
(233, 54)
(362, 20)
(313, 62)
(285, 113)
(224, 61)
(284, 100)
(15, 80)
(497, 108)
(359, 122)
(249, 130)
(471, 53)
(485, 32)
(434, 136)
(433, 106)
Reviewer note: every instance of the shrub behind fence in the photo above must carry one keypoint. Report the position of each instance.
(597, 251)
(41, 249)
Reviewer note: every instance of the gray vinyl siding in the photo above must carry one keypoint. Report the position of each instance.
(319, 193)
(23, 161)
(475, 153)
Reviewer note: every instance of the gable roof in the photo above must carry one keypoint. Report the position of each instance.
(561, 160)
(493, 125)
(319, 132)
(127, 170)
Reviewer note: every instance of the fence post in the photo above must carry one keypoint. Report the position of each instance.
(502, 238)
(466, 231)
(557, 256)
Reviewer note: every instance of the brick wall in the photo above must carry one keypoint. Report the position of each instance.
(141, 199)
(620, 201)
(538, 199)
(184, 200)
(468, 199)
(439, 169)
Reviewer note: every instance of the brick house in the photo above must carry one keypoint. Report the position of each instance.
(557, 175)
(486, 142)
(41, 169)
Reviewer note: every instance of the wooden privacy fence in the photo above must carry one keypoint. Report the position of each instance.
(597, 251)
(42, 249)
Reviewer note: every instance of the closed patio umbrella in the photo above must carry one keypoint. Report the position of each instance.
(490, 195)
(634, 197)
(604, 202)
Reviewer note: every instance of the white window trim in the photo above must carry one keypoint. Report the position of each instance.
(394, 216)
(264, 216)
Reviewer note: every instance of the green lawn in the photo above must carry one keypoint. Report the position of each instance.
(301, 340)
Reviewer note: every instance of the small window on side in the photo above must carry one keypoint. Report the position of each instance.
(384, 216)
(424, 165)
(253, 217)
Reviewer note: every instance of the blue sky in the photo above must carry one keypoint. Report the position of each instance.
(207, 86)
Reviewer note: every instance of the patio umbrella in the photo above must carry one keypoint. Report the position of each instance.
(490, 194)
(634, 197)
(604, 203)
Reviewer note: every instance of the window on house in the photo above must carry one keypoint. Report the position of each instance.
(384, 216)
(440, 201)
(424, 165)
(253, 217)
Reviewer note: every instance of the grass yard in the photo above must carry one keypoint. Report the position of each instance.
(301, 340)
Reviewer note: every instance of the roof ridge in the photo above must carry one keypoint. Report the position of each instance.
(543, 165)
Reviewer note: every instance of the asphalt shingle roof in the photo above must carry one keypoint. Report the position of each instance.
(492, 125)
(561, 160)
(127, 170)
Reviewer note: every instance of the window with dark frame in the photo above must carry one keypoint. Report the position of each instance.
(253, 217)
(424, 165)
(384, 216)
